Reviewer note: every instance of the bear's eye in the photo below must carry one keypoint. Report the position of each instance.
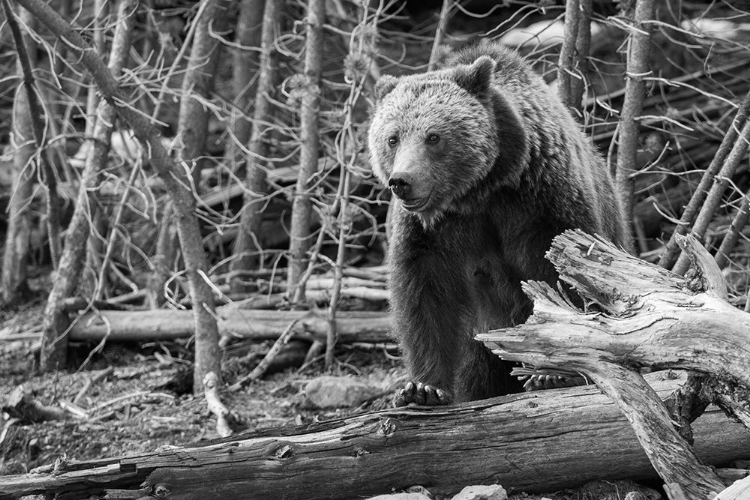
(392, 140)
(433, 139)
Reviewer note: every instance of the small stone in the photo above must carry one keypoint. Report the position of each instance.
(482, 492)
(339, 392)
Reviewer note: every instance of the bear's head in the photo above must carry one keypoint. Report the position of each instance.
(434, 136)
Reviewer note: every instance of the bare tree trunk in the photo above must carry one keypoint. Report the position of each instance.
(299, 236)
(15, 255)
(192, 125)
(244, 77)
(54, 339)
(574, 54)
(247, 245)
(635, 92)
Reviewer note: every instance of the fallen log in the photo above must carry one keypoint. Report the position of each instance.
(165, 324)
(539, 441)
(646, 317)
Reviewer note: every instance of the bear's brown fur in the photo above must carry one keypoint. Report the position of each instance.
(487, 166)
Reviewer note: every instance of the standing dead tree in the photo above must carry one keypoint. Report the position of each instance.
(299, 236)
(56, 324)
(15, 253)
(245, 57)
(635, 93)
(574, 54)
(247, 245)
(646, 317)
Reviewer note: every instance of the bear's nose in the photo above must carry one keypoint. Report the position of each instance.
(400, 184)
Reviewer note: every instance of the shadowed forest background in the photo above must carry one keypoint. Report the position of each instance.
(186, 184)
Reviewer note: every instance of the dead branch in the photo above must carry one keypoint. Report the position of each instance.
(259, 370)
(224, 417)
(650, 317)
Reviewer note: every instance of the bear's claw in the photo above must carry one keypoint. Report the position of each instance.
(422, 395)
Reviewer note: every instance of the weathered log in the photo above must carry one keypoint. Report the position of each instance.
(539, 441)
(163, 324)
(649, 317)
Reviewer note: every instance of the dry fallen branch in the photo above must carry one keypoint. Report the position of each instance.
(649, 317)
(160, 324)
(224, 417)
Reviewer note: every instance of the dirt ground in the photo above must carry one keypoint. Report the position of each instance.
(144, 402)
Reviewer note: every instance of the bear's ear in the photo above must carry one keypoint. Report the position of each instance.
(385, 84)
(477, 78)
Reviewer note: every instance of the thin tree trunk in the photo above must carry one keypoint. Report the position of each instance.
(192, 125)
(175, 181)
(713, 200)
(55, 321)
(244, 77)
(247, 245)
(733, 233)
(445, 14)
(635, 93)
(672, 249)
(574, 54)
(15, 255)
(192, 132)
(38, 127)
(299, 236)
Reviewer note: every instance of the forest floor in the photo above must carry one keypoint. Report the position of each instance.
(144, 403)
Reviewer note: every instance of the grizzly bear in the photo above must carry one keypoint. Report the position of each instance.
(486, 166)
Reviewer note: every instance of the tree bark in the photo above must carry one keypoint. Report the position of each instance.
(635, 93)
(244, 77)
(175, 179)
(574, 54)
(15, 255)
(55, 321)
(650, 317)
(192, 133)
(299, 235)
(539, 441)
(163, 324)
(247, 246)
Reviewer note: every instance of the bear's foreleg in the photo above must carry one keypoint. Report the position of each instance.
(432, 314)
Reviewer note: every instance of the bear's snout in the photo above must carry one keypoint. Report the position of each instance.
(401, 183)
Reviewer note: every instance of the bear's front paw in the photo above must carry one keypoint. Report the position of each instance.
(422, 395)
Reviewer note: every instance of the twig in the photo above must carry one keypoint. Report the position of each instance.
(259, 370)
(90, 383)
